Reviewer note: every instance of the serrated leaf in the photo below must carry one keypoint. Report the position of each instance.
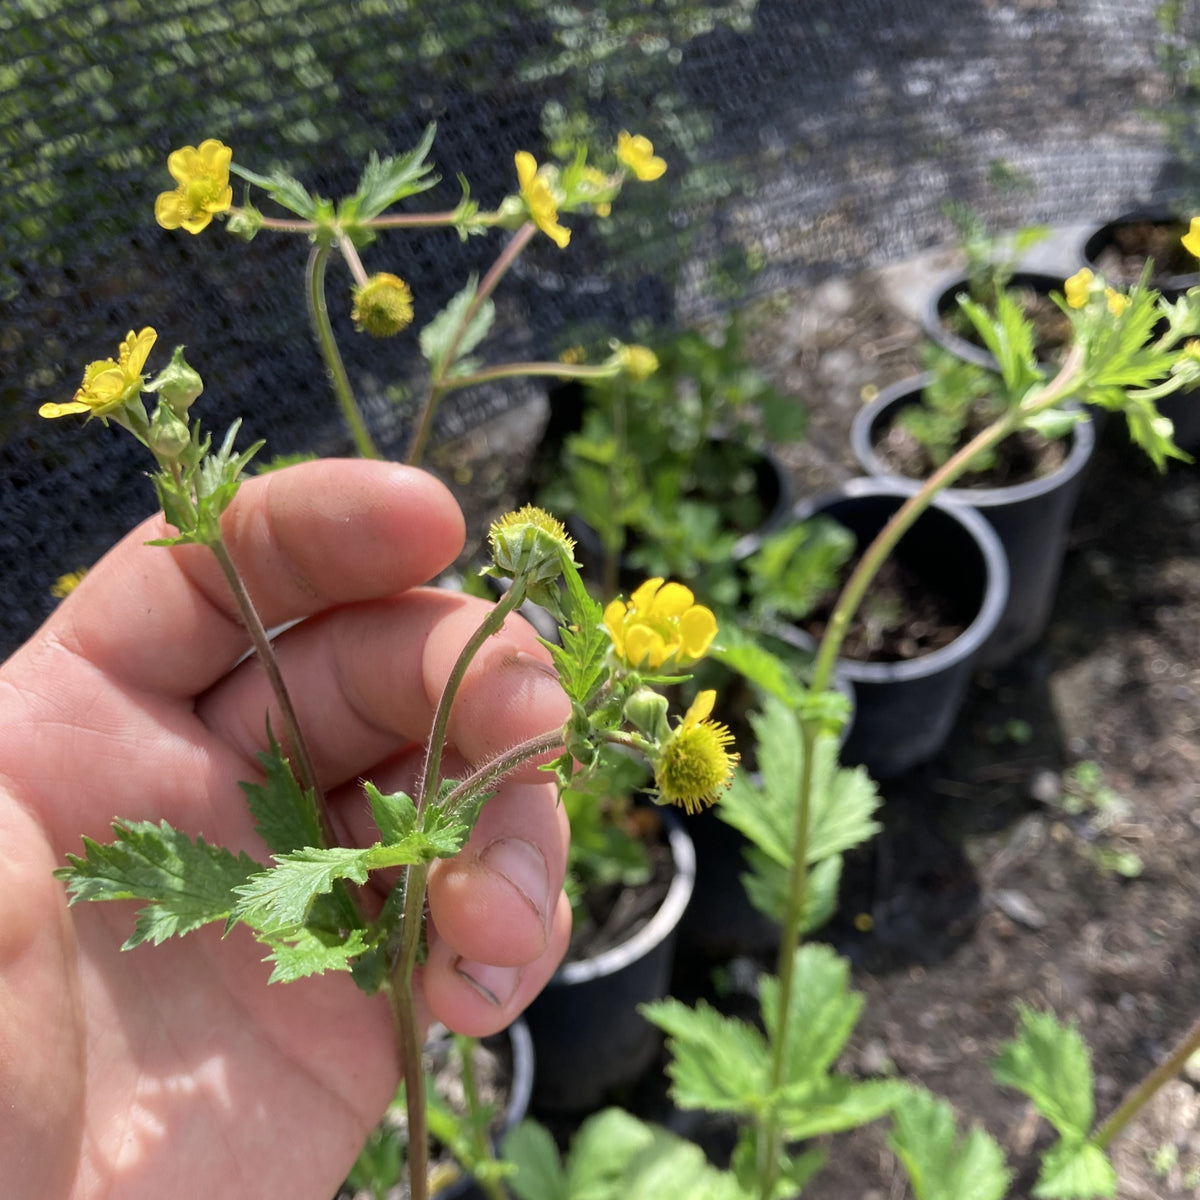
(438, 338)
(837, 1103)
(395, 815)
(767, 887)
(285, 814)
(766, 671)
(579, 658)
(285, 190)
(187, 883)
(616, 1156)
(279, 899)
(718, 1063)
(842, 804)
(821, 1015)
(1075, 1171)
(794, 1172)
(539, 1174)
(940, 1166)
(307, 953)
(387, 180)
(1049, 1062)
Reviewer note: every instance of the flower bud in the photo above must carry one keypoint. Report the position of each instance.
(647, 712)
(383, 305)
(638, 362)
(177, 384)
(531, 543)
(169, 435)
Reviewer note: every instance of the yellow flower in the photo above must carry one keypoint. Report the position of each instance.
(637, 153)
(107, 385)
(540, 198)
(383, 305)
(662, 624)
(203, 177)
(1078, 287)
(64, 585)
(695, 763)
(1191, 239)
(1118, 302)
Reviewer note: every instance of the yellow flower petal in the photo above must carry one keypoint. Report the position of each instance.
(637, 153)
(204, 189)
(661, 626)
(673, 600)
(62, 410)
(1191, 239)
(697, 628)
(643, 597)
(1078, 288)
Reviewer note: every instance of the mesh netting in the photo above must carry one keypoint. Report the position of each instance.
(804, 138)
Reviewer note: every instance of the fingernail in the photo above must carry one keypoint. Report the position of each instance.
(522, 864)
(495, 984)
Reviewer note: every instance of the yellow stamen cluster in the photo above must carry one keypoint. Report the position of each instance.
(695, 763)
(108, 384)
(661, 626)
(202, 174)
(637, 153)
(64, 585)
(383, 305)
(538, 192)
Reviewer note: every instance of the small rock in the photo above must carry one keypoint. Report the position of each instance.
(1045, 786)
(1017, 906)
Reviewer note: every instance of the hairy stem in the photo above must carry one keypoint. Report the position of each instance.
(318, 313)
(1145, 1089)
(408, 1046)
(438, 384)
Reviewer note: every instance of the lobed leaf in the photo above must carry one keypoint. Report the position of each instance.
(940, 1165)
(1075, 1171)
(285, 814)
(384, 181)
(187, 883)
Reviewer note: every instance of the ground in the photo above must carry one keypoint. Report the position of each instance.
(985, 888)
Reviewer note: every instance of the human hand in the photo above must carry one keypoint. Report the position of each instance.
(175, 1070)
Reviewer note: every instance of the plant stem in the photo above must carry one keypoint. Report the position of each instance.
(553, 370)
(416, 878)
(400, 996)
(1145, 1089)
(1035, 402)
(318, 260)
(305, 771)
(483, 1143)
(483, 779)
(438, 384)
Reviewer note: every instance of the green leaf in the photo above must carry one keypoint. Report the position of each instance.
(395, 815)
(1075, 1171)
(843, 800)
(387, 180)
(615, 1156)
(837, 1103)
(286, 191)
(1049, 1062)
(437, 339)
(794, 1172)
(279, 899)
(539, 1174)
(821, 1015)
(718, 1063)
(580, 658)
(941, 1166)
(285, 814)
(307, 952)
(187, 883)
(767, 887)
(766, 671)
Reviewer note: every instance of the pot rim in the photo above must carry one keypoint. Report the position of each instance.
(991, 609)
(947, 285)
(1083, 444)
(1092, 241)
(664, 922)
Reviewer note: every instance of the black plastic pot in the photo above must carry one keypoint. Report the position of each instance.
(942, 304)
(588, 1036)
(904, 711)
(721, 923)
(1032, 519)
(1103, 251)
